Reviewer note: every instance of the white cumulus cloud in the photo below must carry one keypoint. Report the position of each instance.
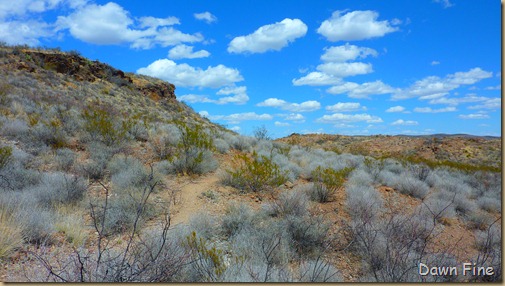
(186, 52)
(205, 16)
(306, 106)
(345, 107)
(404, 122)
(188, 76)
(111, 24)
(355, 25)
(269, 37)
(397, 108)
(341, 117)
(474, 116)
(342, 70)
(346, 53)
(491, 103)
(430, 110)
(281, 124)
(436, 86)
(316, 79)
(364, 90)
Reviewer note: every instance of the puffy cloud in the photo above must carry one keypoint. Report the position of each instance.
(296, 117)
(24, 7)
(491, 103)
(316, 79)
(269, 37)
(306, 106)
(152, 22)
(430, 110)
(340, 117)
(188, 76)
(238, 117)
(434, 63)
(239, 95)
(457, 100)
(24, 32)
(281, 124)
(363, 90)
(345, 107)
(436, 86)
(404, 122)
(111, 24)
(397, 108)
(186, 52)
(474, 116)
(346, 53)
(205, 16)
(352, 26)
(235, 99)
(344, 69)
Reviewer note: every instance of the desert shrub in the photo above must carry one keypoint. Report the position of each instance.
(102, 126)
(242, 143)
(36, 223)
(193, 153)
(60, 188)
(71, 224)
(100, 154)
(15, 177)
(164, 167)
(65, 158)
(15, 128)
(254, 173)
(489, 204)
(127, 172)
(411, 186)
(308, 234)
(119, 213)
(363, 202)
(393, 166)
(5, 155)
(327, 181)
(11, 238)
(261, 133)
(236, 219)
(289, 203)
(463, 205)
(221, 145)
(208, 261)
(50, 132)
(479, 220)
(489, 245)
(195, 161)
(441, 207)
(374, 167)
(360, 177)
(205, 225)
(418, 171)
(319, 270)
(164, 139)
(138, 130)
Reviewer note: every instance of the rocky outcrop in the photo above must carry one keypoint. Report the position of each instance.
(83, 69)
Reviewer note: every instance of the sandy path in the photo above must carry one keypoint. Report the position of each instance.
(191, 201)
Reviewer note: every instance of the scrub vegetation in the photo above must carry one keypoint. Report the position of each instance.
(93, 161)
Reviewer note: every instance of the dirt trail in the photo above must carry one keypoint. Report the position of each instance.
(191, 201)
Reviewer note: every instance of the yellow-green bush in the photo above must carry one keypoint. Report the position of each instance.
(326, 182)
(254, 173)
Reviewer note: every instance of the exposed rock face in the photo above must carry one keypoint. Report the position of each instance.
(83, 69)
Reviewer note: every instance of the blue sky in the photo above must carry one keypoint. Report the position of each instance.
(338, 67)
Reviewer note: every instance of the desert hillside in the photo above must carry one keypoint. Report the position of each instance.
(106, 177)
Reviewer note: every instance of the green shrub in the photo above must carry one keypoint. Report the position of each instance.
(207, 261)
(5, 155)
(193, 155)
(254, 173)
(326, 182)
(101, 125)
